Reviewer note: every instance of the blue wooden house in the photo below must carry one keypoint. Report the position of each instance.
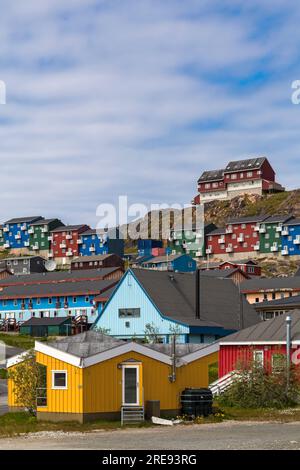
(290, 236)
(93, 242)
(15, 232)
(54, 299)
(149, 304)
(180, 263)
(145, 246)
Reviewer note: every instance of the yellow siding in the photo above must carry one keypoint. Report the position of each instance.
(11, 397)
(260, 295)
(103, 382)
(62, 401)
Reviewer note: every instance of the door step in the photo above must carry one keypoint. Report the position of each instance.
(132, 414)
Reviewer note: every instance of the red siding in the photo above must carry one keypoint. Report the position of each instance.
(71, 244)
(230, 356)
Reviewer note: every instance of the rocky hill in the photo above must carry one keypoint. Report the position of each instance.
(247, 205)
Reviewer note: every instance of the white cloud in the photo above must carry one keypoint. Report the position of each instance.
(138, 97)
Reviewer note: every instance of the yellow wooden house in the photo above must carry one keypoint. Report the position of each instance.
(93, 376)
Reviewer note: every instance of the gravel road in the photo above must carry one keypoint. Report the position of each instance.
(226, 435)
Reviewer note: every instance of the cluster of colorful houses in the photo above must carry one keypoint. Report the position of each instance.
(52, 239)
(129, 338)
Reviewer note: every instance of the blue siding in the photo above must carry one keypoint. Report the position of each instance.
(183, 264)
(92, 244)
(288, 240)
(130, 294)
(17, 234)
(49, 306)
(145, 246)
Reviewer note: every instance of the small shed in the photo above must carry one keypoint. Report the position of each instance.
(39, 327)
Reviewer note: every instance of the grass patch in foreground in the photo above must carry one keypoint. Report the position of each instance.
(18, 341)
(21, 422)
(262, 414)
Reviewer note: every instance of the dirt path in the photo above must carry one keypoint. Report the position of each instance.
(226, 435)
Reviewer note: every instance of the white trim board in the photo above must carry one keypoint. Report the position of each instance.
(253, 343)
(14, 360)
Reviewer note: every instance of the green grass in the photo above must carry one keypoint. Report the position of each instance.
(13, 424)
(18, 341)
(3, 374)
(22, 422)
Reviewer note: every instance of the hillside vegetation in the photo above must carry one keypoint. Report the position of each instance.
(285, 203)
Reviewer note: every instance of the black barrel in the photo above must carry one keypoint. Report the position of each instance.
(197, 401)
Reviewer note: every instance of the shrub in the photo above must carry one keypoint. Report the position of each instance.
(256, 387)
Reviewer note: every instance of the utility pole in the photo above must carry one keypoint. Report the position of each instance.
(288, 350)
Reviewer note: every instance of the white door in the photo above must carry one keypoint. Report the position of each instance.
(130, 385)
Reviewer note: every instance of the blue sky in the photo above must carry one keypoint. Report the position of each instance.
(138, 97)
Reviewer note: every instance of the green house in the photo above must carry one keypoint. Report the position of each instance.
(40, 327)
(39, 233)
(190, 242)
(270, 240)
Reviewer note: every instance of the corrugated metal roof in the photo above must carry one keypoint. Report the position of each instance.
(46, 321)
(269, 331)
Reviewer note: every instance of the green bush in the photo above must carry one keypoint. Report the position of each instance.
(256, 387)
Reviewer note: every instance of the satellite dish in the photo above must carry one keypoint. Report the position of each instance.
(50, 265)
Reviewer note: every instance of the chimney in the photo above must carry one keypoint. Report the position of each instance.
(197, 293)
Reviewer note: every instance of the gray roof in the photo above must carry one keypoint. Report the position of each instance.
(57, 276)
(258, 283)
(287, 302)
(293, 222)
(67, 228)
(247, 220)
(268, 331)
(46, 321)
(86, 259)
(45, 221)
(19, 220)
(13, 258)
(60, 288)
(212, 175)
(86, 344)
(240, 261)
(249, 164)
(279, 219)
(174, 296)
(217, 231)
(222, 273)
(91, 342)
(163, 259)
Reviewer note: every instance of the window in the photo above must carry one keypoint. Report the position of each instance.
(87, 299)
(15, 303)
(59, 379)
(74, 300)
(249, 174)
(258, 357)
(257, 300)
(50, 300)
(129, 312)
(278, 362)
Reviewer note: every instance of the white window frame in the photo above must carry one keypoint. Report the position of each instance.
(53, 372)
(137, 367)
(260, 353)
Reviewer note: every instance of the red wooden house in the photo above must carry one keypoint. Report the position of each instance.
(248, 266)
(252, 176)
(264, 342)
(65, 241)
(238, 236)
